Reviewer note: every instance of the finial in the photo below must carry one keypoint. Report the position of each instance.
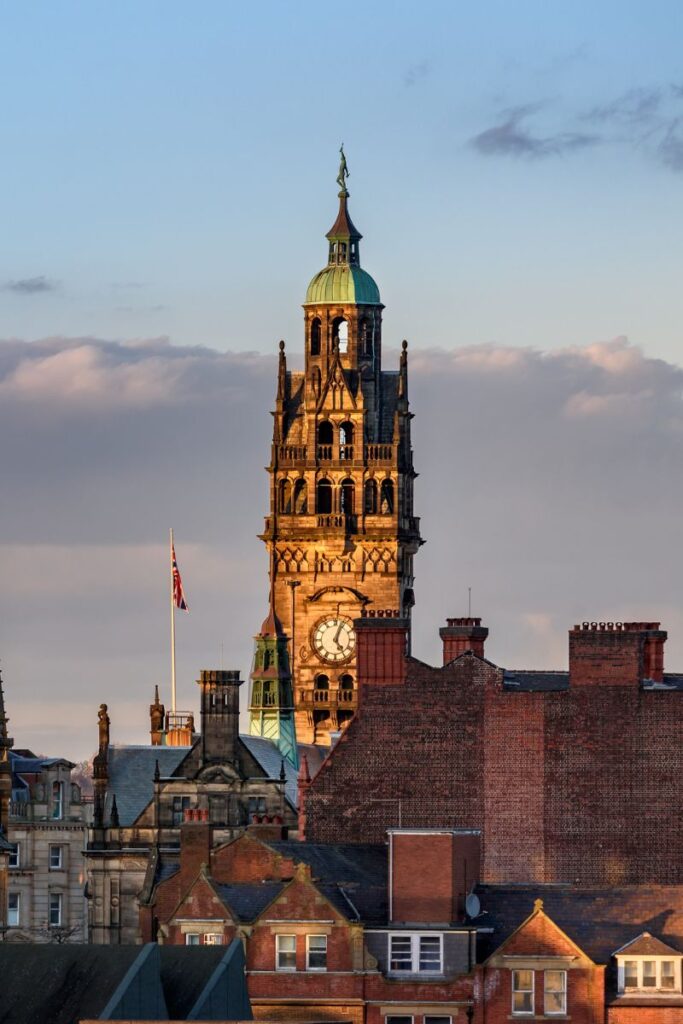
(404, 345)
(304, 773)
(538, 905)
(282, 346)
(343, 172)
(114, 816)
(157, 773)
(283, 774)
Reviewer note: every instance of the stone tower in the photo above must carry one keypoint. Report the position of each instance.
(341, 533)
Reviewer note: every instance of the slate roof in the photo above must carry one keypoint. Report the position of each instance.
(248, 899)
(599, 921)
(672, 681)
(648, 945)
(270, 759)
(131, 775)
(530, 681)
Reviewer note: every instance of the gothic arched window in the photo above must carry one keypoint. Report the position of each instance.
(325, 438)
(347, 493)
(370, 497)
(285, 497)
(322, 682)
(346, 440)
(323, 498)
(300, 497)
(315, 337)
(386, 502)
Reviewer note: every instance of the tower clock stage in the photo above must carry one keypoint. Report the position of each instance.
(341, 533)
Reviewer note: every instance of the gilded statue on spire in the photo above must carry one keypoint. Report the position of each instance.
(343, 170)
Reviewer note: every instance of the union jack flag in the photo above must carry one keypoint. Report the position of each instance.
(178, 592)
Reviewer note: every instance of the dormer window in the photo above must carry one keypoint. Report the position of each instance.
(647, 965)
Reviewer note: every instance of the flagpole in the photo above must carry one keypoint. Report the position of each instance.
(172, 631)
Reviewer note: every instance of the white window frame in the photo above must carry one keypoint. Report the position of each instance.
(319, 938)
(193, 938)
(58, 896)
(60, 850)
(287, 952)
(554, 991)
(213, 939)
(514, 989)
(415, 940)
(14, 855)
(57, 800)
(640, 961)
(13, 913)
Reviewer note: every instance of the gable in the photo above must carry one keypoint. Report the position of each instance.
(538, 936)
(247, 859)
(301, 900)
(201, 902)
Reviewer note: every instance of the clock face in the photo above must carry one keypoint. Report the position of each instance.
(334, 639)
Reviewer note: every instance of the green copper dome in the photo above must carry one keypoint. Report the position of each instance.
(343, 284)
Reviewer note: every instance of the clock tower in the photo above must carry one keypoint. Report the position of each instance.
(341, 533)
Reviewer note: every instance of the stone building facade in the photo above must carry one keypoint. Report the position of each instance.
(48, 820)
(341, 533)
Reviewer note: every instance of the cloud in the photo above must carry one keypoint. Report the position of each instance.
(550, 482)
(511, 137)
(31, 285)
(638, 106)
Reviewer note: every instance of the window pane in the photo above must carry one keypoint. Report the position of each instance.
(55, 908)
(55, 856)
(286, 952)
(401, 954)
(213, 939)
(437, 1020)
(522, 991)
(317, 952)
(555, 983)
(398, 1020)
(649, 974)
(430, 953)
(631, 974)
(522, 1002)
(13, 909)
(14, 860)
(668, 975)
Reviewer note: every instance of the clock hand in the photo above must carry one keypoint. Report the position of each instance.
(337, 634)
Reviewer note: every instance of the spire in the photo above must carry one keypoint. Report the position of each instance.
(304, 773)
(403, 371)
(343, 236)
(114, 815)
(281, 373)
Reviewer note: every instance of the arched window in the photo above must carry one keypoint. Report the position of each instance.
(315, 337)
(346, 440)
(323, 498)
(370, 497)
(325, 437)
(366, 345)
(267, 659)
(386, 504)
(347, 491)
(340, 334)
(300, 497)
(346, 682)
(322, 682)
(285, 497)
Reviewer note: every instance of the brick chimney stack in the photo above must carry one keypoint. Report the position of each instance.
(431, 873)
(616, 653)
(460, 635)
(382, 645)
(196, 840)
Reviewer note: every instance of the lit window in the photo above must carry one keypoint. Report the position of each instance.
(555, 992)
(415, 953)
(192, 938)
(14, 856)
(55, 858)
(55, 909)
(286, 952)
(316, 952)
(13, 909)
(631, 974)
(213, 939)
(522, 992)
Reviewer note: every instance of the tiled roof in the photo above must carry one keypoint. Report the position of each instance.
(599, 921)
(248, 899)
(648, 945)
(131, 776)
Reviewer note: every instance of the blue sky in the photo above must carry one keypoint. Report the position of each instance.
(515, 168)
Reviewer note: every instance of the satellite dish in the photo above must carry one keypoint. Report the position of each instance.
(472, 905)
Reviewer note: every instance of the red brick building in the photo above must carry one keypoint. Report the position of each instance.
(570, 776)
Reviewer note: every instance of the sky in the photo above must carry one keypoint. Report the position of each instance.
(168, 178)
